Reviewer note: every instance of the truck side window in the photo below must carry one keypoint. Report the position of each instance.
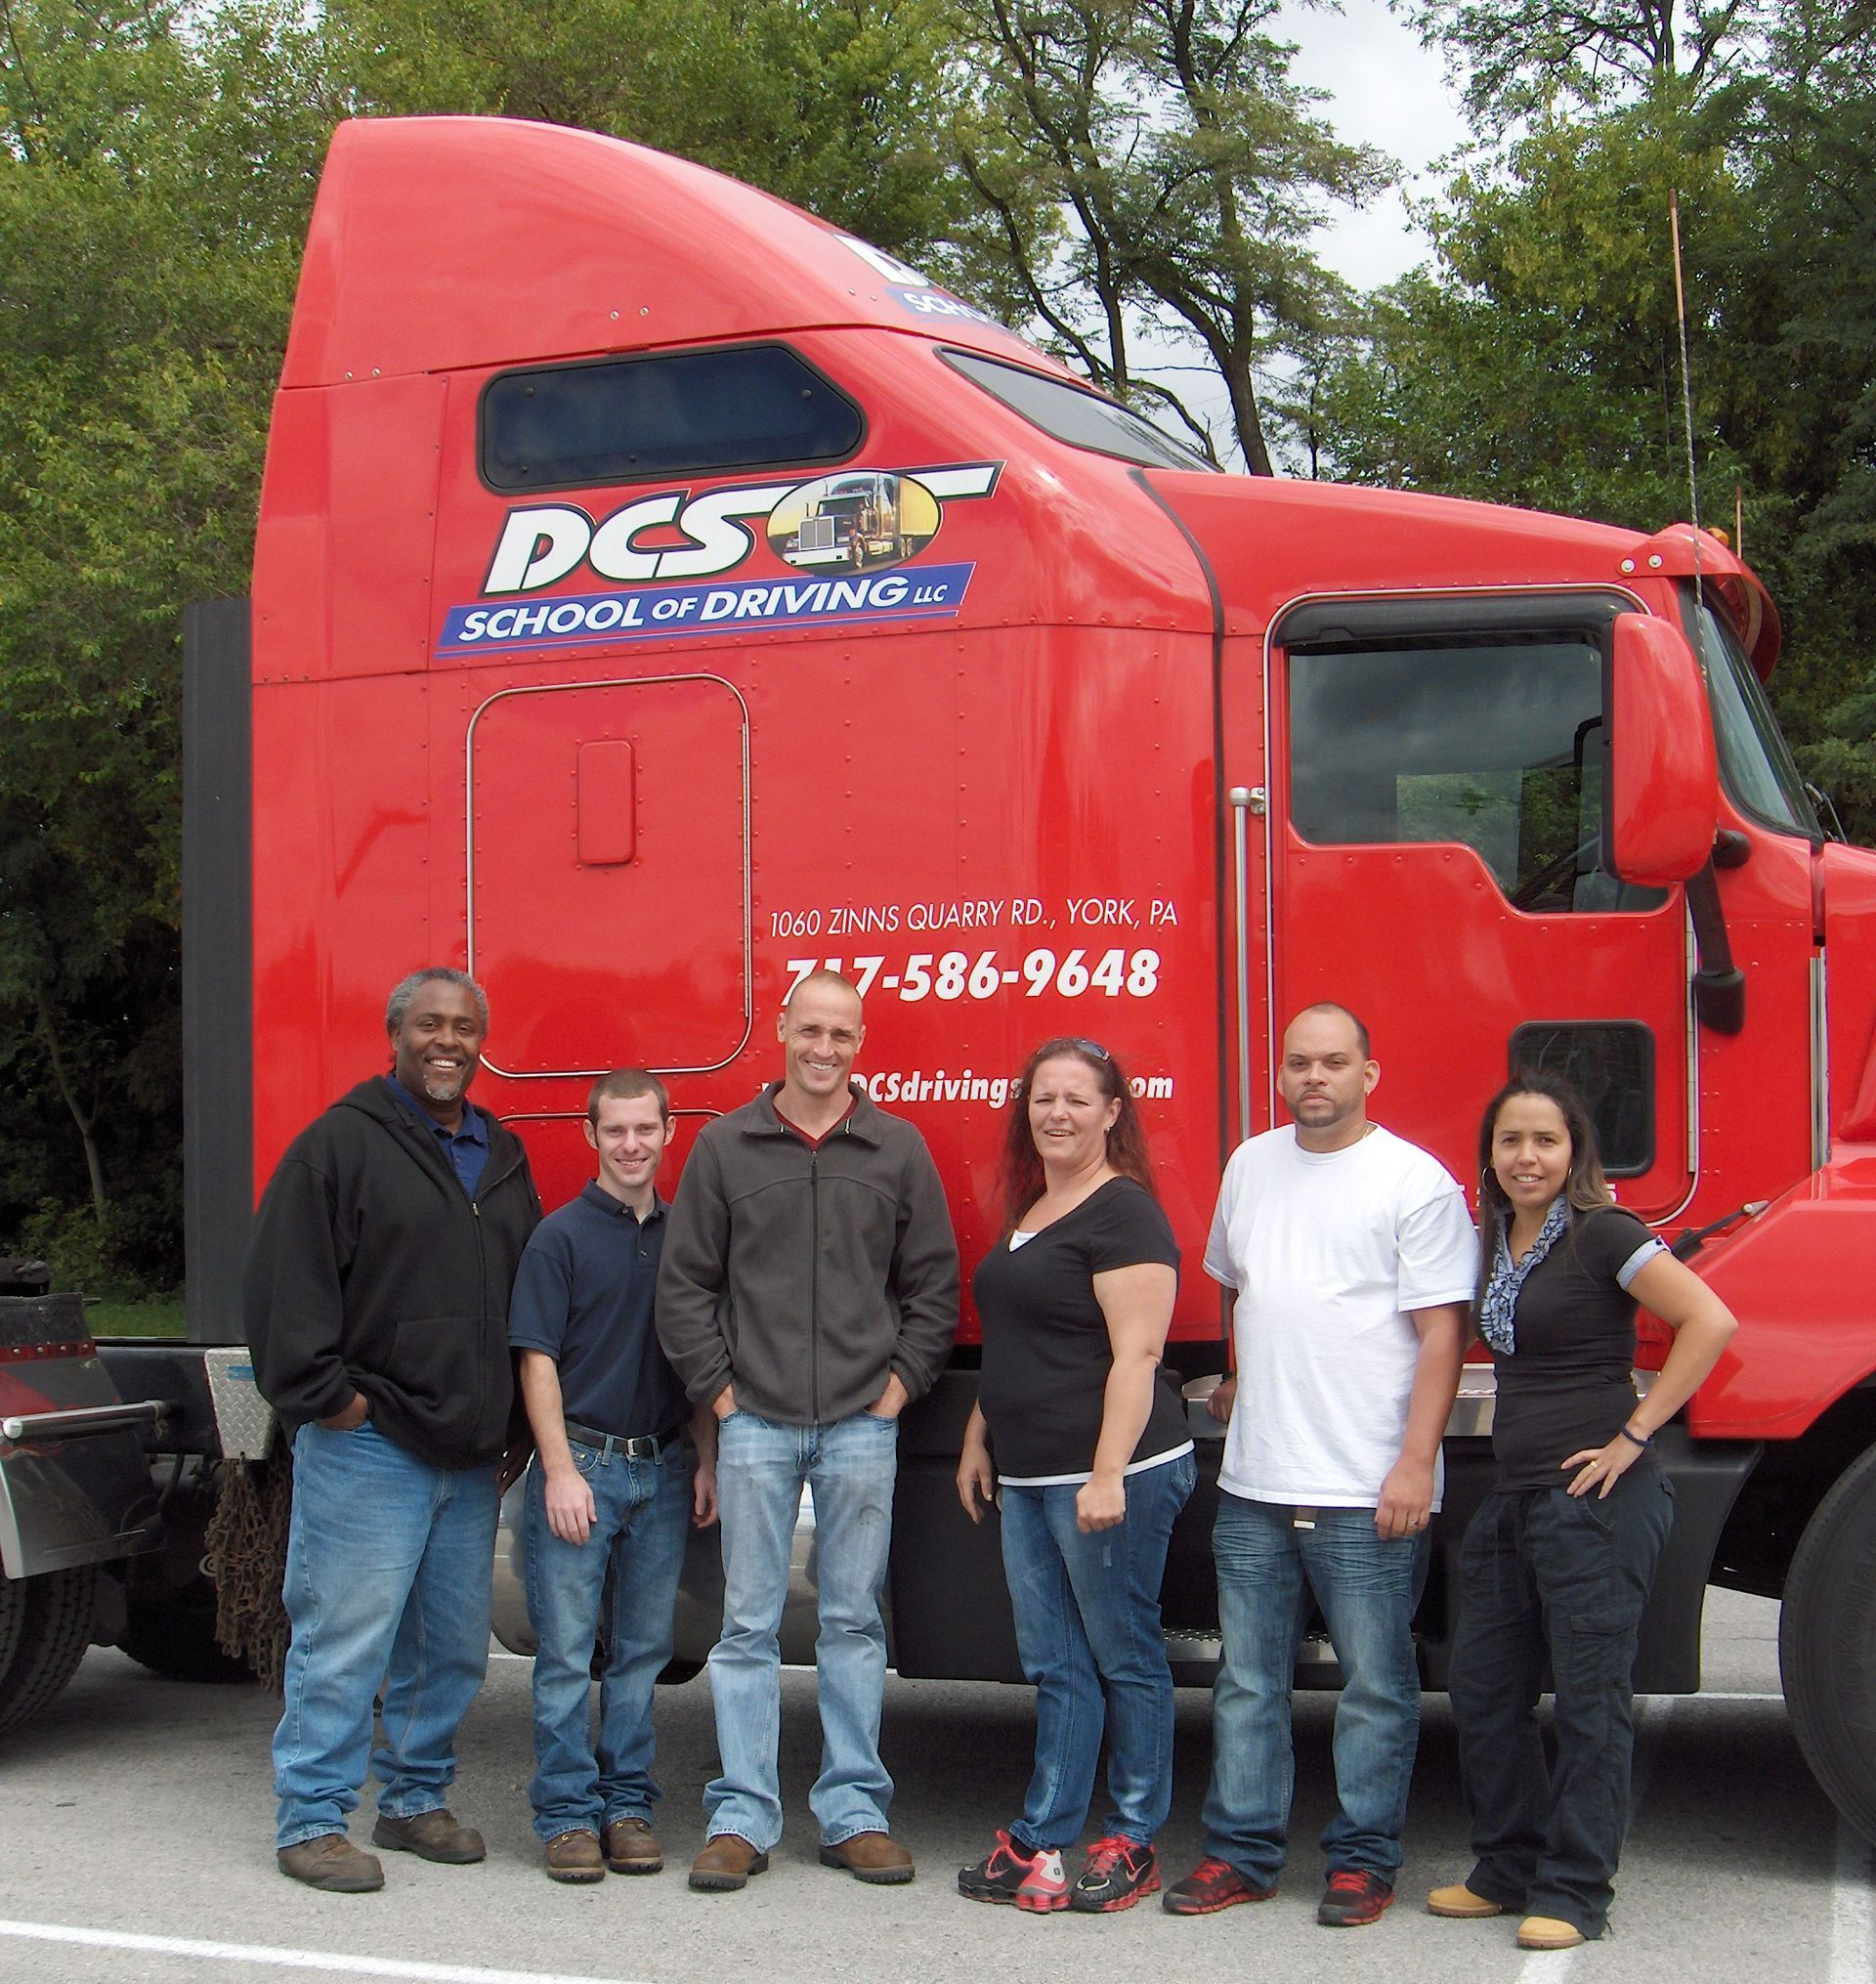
(1081, 419)
(1610, 1063)
(1498, 742)
(678, 414)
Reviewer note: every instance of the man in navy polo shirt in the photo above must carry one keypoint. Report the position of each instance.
(613, 1488)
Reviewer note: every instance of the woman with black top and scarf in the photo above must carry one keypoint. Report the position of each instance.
(1558, 1563)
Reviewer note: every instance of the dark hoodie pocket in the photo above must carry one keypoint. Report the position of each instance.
(432, 1354)
(437, 1371)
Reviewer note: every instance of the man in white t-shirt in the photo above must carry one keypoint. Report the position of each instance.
(1353, 1260)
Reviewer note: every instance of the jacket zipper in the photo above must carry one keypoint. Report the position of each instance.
(814, 1282)
(485, 1183)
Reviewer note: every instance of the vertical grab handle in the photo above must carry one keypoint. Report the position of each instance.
(1245, 801)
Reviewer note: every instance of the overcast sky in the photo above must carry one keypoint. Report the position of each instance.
(1382, 89)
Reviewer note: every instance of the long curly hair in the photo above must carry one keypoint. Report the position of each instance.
(1125, 1138)
(1586, 1190)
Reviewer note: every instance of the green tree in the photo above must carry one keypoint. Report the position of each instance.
(1150, 165)
(151, 199)
(1811, 168)
(1513, 60)
(832, 106)
(159, 161)
(1536, 360)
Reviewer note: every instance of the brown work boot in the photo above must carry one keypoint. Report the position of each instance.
(332, 1861)
(877, 1858)
(631, 1848)
(431, 1836)
(727, 1862)
(1547, 1932)
(574, 1857)
(1458, 1903)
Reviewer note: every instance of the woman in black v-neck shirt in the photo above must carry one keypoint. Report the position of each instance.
(1090, 1447)
(1558, 1561)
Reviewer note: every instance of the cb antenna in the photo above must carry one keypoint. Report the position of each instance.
(1687, 393)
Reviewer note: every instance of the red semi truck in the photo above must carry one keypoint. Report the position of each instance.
(534, 680)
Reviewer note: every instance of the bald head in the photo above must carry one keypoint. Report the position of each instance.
(1326, 1076)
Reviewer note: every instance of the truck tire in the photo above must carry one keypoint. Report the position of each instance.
(1827, 1644)
(172, 1633)
(12, 1616)
(59, 1608)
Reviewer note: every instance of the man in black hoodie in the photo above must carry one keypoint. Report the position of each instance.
(376, 1302)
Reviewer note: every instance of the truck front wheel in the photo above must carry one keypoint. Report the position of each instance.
(57, 1611)
(1827, 1644)
(13, 1617)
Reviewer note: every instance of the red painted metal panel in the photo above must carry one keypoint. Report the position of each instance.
(595, 966)
(606, 805)
(443, 242)
(348, 524)
(343, 889)
(1799, 1279)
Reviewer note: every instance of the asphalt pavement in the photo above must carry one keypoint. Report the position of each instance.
(136, 1845)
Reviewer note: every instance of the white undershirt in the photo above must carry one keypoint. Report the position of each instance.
(1329, 1251)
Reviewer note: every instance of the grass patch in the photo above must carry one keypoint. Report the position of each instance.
(161, 1315)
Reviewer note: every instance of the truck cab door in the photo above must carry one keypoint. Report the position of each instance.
(1439, 772)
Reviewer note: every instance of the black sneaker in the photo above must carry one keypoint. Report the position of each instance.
(1353, 1898)
(1034, 1882)
(1212, 1885)
(1117, 1873)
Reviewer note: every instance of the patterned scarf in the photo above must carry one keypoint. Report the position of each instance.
(1497, 1311)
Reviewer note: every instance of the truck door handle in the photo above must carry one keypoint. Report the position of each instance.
(1245, 801)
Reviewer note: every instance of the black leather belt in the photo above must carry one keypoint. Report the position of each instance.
(633, 1445)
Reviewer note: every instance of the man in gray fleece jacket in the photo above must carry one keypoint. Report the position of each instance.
(808, 1294)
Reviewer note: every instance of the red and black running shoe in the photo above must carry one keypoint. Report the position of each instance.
(1212, 1885)
(1117, 1873)
(1035, 1881)
(1354, 1899)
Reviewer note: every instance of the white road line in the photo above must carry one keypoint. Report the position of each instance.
(1853, 1912)
(1713, 1695)
(285, 1959)
(1548, 1964)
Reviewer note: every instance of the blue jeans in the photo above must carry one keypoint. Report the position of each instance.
(388, 1563)
(1550, 1578)
(1088, 1624)
(761, 1466)
(638, 1534)
(1367, 1588)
